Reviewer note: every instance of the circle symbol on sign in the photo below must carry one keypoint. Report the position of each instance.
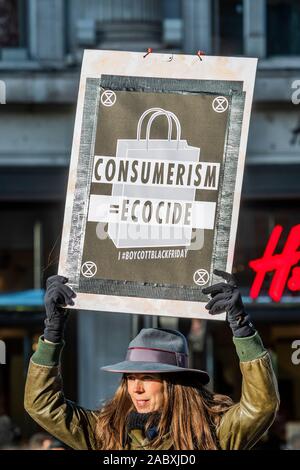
(88, 269)
(108, 98)
(220, 104)
(201, 277)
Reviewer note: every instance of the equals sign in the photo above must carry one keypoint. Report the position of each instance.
(114, 208)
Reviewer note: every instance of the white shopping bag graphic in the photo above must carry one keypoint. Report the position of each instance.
(155, 208)
(173, 150)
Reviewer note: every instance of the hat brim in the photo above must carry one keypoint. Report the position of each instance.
(155, 368)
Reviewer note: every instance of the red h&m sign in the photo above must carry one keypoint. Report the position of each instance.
(281, 264)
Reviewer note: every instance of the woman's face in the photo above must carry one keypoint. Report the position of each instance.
(146, 391)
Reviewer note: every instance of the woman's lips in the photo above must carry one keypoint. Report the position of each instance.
(142, 403)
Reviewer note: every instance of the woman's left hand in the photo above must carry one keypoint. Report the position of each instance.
(225, 296)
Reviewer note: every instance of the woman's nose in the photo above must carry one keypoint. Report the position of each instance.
(138, 385)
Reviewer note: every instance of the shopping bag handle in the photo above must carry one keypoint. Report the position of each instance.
(153, 110)
(169, 114)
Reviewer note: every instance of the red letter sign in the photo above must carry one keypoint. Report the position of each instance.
(280, 263)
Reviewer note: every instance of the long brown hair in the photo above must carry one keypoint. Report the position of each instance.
(189, 417)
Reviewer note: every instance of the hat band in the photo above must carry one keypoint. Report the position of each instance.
(157, 355)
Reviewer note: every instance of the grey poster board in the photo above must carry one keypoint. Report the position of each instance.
(155, 179)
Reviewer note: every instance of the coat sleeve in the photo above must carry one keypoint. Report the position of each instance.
(245, 422)
(44, 400)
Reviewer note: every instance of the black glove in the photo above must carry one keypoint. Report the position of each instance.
(57, 295)
(226, 296)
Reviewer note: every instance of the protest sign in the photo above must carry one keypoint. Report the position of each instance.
(155, 180)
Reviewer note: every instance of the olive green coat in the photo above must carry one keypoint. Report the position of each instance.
(240, 428)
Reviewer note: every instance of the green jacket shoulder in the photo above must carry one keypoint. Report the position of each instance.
(240, 427)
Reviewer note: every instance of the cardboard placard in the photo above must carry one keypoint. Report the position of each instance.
(155, 180)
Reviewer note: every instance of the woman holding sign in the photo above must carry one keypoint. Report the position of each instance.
(161, 403)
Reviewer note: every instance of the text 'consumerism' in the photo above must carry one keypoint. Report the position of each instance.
(202, 175)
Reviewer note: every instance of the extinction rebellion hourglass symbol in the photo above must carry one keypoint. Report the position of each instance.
(88, 269)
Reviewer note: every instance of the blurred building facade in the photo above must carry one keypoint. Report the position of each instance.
(41, 45)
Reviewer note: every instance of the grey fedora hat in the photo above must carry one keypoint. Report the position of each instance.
(157, 350)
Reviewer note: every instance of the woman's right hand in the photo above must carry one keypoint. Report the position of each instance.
(58, 295)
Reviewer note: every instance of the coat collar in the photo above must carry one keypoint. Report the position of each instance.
(138, 441)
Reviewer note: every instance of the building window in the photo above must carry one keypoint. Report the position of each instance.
(172, 8)
(283, 27)
(228, 27)
(12, 23)
(172, 24)
(29, 244)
